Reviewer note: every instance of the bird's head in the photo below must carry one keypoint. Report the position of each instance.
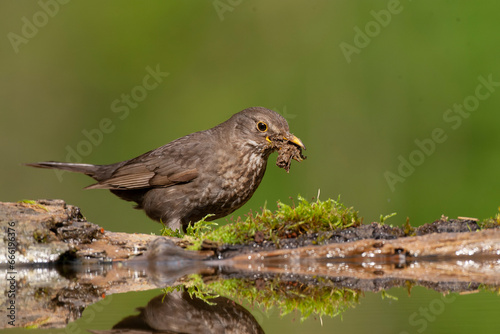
(259, 127)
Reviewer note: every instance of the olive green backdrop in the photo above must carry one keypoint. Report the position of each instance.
(396, 101)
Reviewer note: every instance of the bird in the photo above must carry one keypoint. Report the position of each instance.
(207, 174)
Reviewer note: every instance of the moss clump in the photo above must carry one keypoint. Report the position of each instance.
(493, 222)
(408, 230)
(289, 297)
(316, 220)
(319, 299)
(195, 287)
(287, 221)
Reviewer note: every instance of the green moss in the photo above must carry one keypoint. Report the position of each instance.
(37, 323)
(168, 232)
(489, 288)
(408, 229)
(319, 299)
(41, 236)
(493, 222)
(286, 221)
(192, 287)
(290, 297)
(384, 294)
(384, 218)
(41, 293)
(33, 203)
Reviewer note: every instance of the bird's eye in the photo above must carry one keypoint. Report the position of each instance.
(262, 126)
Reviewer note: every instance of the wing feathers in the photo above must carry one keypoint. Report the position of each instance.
(163, 167)
(181, 177)
(145, 180)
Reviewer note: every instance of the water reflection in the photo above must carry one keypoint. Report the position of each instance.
(55, 296)
(180, 312)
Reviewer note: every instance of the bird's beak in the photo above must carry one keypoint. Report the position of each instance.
(295, 140)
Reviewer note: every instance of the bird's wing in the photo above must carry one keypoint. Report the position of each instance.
(166, 166)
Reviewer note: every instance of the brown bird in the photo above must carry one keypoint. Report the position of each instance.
(214, 171)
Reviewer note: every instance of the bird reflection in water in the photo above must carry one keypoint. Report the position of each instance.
(178, 312)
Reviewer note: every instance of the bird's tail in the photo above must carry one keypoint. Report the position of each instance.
(90, 170)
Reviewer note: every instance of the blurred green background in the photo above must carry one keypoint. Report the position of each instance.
(359, 82)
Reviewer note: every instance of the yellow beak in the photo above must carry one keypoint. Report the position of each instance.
(293, 139)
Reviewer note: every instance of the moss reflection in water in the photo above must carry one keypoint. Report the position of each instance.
(319, 299)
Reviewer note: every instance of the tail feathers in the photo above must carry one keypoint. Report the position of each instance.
(87, 169)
